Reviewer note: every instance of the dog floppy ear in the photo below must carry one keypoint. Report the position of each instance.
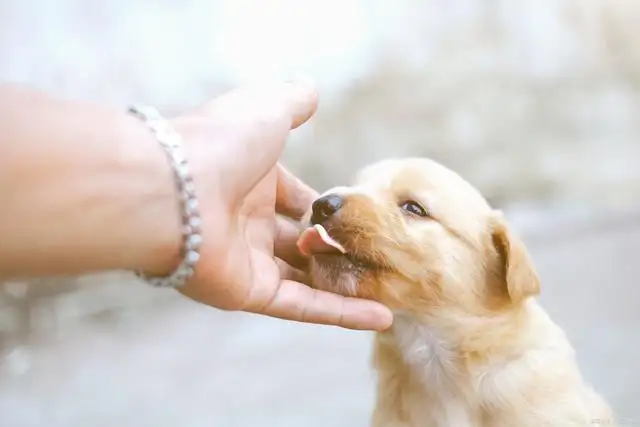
(517, 276)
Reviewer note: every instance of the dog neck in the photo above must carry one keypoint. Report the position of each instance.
(421, 344)
(452, 345)
(425, 349)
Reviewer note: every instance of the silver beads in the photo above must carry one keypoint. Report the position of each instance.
(171, 142)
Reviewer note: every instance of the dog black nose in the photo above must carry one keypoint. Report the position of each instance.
(324, 207)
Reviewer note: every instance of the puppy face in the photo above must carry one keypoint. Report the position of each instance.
(418, 238)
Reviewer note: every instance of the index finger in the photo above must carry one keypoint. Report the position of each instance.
(298, 302)
(254, 123)
(293, 196)
(290, 104)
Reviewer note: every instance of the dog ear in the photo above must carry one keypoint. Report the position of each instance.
(517, 276)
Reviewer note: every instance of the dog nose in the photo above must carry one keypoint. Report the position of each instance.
(324, 207)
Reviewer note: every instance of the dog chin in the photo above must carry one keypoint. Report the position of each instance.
(335, 273)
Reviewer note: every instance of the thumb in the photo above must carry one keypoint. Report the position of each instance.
(256, 121)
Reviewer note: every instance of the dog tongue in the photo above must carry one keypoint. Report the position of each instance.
(316, 240)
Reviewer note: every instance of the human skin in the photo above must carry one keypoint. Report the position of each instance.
(85, 188)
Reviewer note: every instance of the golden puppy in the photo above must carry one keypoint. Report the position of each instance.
(470, 346)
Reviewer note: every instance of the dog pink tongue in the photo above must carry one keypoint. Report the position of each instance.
(316, 240)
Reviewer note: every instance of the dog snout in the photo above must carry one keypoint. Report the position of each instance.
(325, 207)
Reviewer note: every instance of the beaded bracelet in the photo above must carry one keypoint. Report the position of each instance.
(171, 142)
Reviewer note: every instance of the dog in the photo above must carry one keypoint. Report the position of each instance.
(469, 345)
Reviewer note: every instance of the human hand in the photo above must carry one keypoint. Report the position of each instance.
(249, 259)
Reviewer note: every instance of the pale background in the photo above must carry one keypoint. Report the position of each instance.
(537, 102)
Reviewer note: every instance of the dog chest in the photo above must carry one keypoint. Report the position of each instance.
(445, 402)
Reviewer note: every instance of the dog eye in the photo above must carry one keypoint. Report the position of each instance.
(414, 208)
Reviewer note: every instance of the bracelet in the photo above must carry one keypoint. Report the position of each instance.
(171, 142)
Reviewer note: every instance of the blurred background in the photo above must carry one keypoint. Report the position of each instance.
(536, 102)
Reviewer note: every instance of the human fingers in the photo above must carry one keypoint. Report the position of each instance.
(285, 243)
(254, 123)
(288, 272)
(298, 302)
(293, 196)
(296, 100)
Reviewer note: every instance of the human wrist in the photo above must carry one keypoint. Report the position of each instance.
(171, 143)
(155, 223)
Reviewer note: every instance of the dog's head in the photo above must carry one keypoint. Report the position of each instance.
(415, 236)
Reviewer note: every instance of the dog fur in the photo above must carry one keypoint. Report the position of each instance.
(469, 346)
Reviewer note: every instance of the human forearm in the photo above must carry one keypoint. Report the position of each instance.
(82, 189)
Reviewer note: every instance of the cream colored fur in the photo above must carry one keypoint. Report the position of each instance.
(470, 345)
